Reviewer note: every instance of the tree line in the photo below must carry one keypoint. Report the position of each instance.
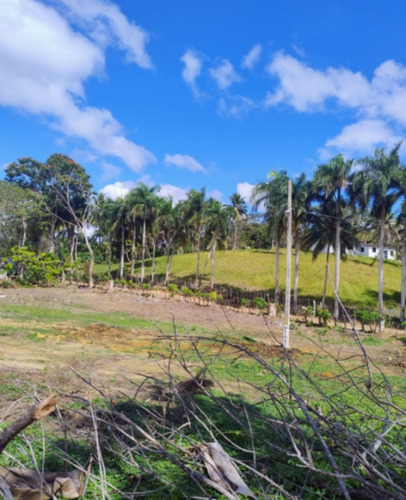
(51, 207)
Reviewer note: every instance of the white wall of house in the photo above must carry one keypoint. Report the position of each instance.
(373, 251)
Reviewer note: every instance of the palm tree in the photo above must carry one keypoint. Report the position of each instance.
(172, 224)
(240, 210)
(273, 196)
(194, 209)
(377, 186)
(320, 236)
(330, 182)
(143, 202)
(301, 198)
(218, 224)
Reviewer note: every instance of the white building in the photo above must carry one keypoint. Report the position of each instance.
(367, 250)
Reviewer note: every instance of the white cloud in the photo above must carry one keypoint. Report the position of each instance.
(216, 194)
(110, 171)
(45, 64)
(245, 189)
(177, 193)
(361, 137)
(107, 24)
(192, 69)
(184, 161)
(118, 189)
(235, 106)
(379, 104)
(252, 58)
(224, 74)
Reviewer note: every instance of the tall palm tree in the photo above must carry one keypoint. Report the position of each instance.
(218, 224)
(272, 194)
(301, 199)
(194, 210)
(377, 186)
(143, 202)
(320, 236)
(240, 210)
(115, 217)
(330, 182)
(173, 227)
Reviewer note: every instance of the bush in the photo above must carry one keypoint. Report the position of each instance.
(244, 302)
(173, 288)
(187, 292)
(259, 302)
(323, 315)
(366, 317)
(36, 269)
(146, 286)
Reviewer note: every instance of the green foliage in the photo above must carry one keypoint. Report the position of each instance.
(323, 315)
(173, 288)
(36, 269)
(187, 291)
(259, 302)
(244, 302)
(146, 286)
(366, 317)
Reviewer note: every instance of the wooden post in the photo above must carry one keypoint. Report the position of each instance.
(286, 324)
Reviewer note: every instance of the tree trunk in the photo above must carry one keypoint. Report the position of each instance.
(213, 263)
(235, 235)
(52, 233)
(144, 244)
(24, 235)
(133, 247)
(323, 300)
(153, 260)
(72, 253)
(277, 291)
(91, 263)
(122, 250)
(380, 282)
(198, 243)
(296, 275)
(403, 290)
(336, 312)
(109, 256)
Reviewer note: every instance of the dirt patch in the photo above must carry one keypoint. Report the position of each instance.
(115, 357)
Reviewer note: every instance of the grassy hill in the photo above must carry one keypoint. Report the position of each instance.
(255, 270)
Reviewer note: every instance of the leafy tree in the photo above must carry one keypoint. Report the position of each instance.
(330, 182)
(376, 186)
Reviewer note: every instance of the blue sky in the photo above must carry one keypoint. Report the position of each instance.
(189, 94)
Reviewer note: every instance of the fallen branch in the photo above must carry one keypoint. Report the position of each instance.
(36, 412)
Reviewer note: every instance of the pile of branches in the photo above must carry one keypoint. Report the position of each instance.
(197, 432)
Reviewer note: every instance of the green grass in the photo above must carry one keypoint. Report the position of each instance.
(255, 270)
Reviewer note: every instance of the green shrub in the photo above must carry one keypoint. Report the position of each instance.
(323, 315)
(36, 269)
(259, 302)
(244, 302)
(186, 291)
(146, 286)
(173, 288)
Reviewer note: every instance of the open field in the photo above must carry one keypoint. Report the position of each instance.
(254, 270)
(84, 344)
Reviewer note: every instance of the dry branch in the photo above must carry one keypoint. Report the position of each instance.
(36, 412)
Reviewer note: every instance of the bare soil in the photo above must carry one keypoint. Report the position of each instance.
(112, 358)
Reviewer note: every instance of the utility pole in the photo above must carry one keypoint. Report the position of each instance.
(288, 213)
